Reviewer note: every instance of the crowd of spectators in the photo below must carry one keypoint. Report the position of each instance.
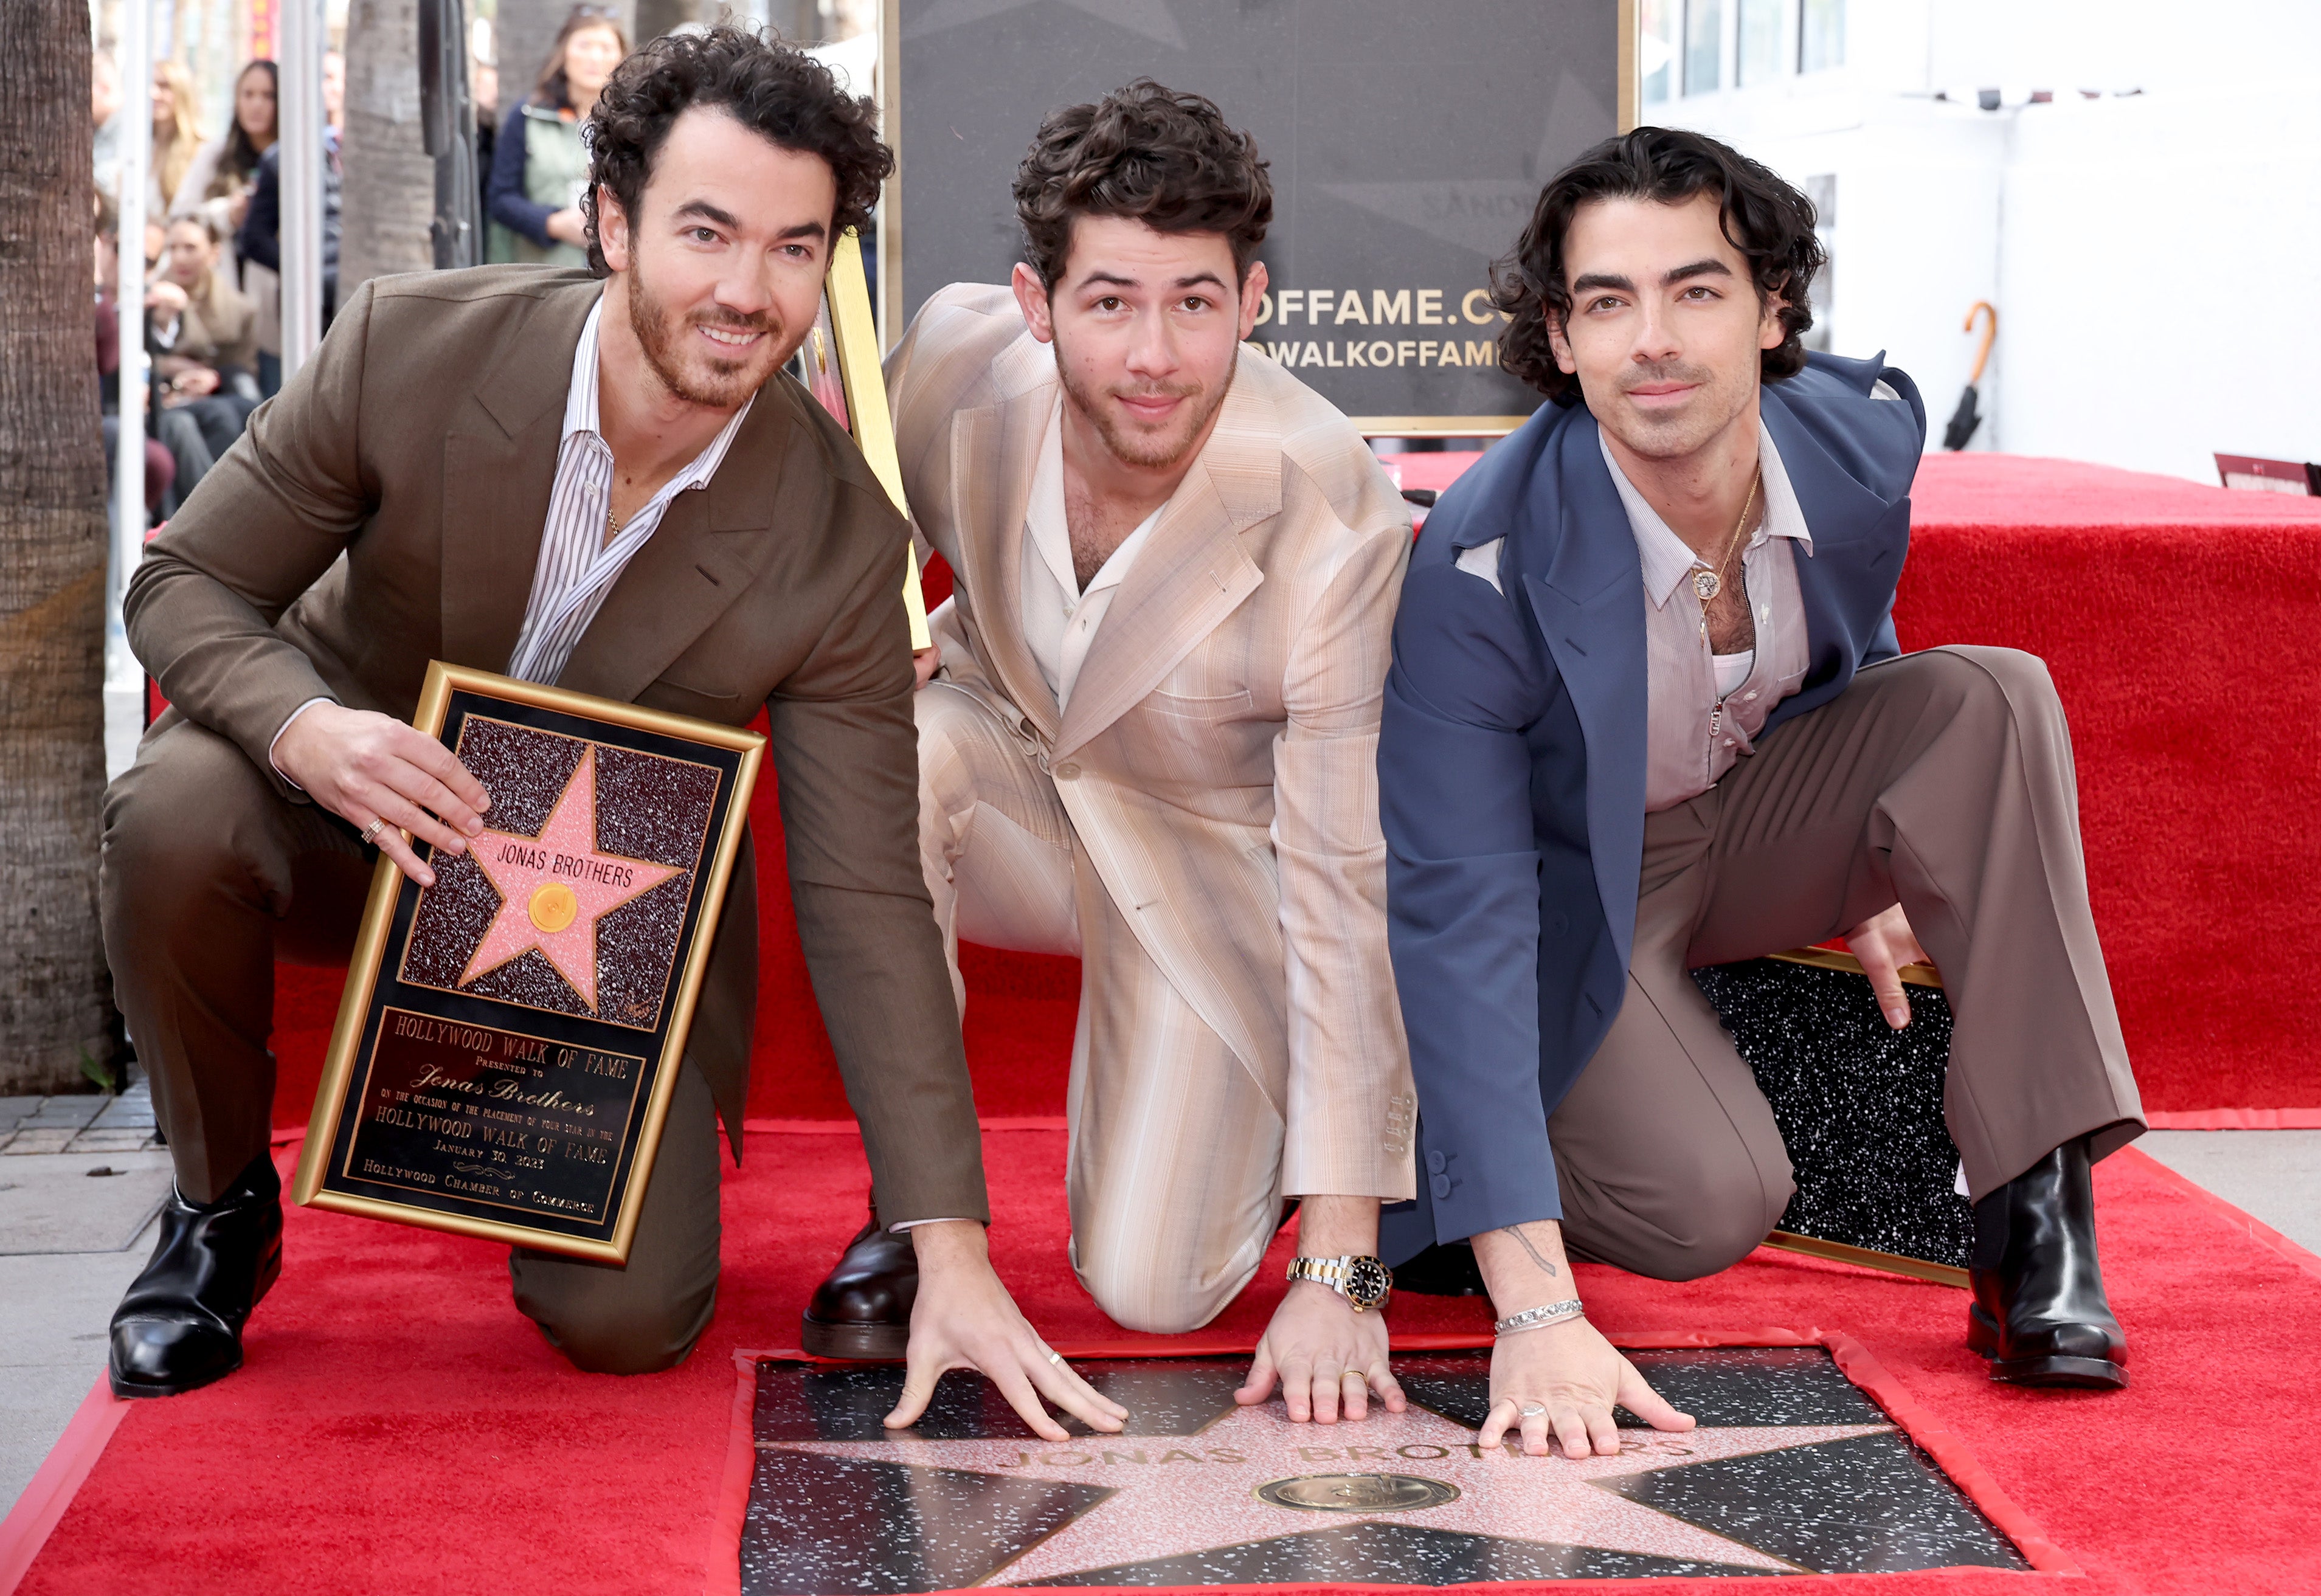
(211, 309)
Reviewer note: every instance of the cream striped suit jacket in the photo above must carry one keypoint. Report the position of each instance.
(1219, 758)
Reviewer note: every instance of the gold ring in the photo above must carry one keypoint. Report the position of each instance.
(1054, 1357)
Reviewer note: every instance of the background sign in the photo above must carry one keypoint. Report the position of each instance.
(1408, 143)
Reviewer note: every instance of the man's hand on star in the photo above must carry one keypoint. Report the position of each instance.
(1327, 1358)
(1884, 943)
(364, 766)
(1557, 1382)
(964, 1319)
(1572, 1376)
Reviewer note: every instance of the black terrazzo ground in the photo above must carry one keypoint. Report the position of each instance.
(1414, 1555)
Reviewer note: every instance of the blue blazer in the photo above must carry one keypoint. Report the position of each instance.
(1511, 763)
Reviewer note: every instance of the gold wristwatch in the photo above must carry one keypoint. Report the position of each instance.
(1362, 1281)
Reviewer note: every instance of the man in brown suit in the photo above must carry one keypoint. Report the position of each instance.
(1153, 741)
(607, 485)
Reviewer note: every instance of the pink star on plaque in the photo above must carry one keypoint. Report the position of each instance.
(554, 887)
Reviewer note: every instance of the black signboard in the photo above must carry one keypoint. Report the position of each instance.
(1407, 143)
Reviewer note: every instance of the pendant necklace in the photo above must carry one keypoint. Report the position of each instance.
(1708, 583)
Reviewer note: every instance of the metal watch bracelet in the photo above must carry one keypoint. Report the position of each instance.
(1539, 1318)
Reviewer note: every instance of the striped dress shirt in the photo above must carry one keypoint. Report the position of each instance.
(578, 567)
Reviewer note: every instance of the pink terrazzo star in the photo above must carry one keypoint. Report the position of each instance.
(555, 886)
(1173, 1496)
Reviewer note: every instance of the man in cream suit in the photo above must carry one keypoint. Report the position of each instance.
(1152, 742)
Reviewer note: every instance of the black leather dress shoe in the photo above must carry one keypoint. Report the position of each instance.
(863, 1311)
(2039, 1313)
(179, 1328)
(1444, 1270)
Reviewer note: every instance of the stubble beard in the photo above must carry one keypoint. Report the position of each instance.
(706, 380)
(1718, 399)
(1148, 450)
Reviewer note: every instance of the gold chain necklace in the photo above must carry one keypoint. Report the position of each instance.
(1708, 583)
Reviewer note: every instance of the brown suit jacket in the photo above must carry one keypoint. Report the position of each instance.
(1219, 756)
(388, 510)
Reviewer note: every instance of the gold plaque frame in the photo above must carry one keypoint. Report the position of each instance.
(363, 976)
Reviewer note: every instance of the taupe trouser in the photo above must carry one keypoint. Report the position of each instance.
(1174, 1172)
(208, 875)
(1941, 780)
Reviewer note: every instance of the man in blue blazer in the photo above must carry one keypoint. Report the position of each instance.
(1647, 712)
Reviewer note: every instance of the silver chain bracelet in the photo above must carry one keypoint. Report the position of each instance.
(1532, 1318)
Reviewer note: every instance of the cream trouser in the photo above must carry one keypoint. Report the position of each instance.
(1174, 1175)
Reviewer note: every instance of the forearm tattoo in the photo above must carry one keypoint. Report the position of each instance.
(1523, 1242)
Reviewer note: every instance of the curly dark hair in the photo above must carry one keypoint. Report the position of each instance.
(1765, 219)
(764, 83)
(1169, 160)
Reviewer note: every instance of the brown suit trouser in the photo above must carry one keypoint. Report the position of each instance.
(209, 874)
(1940, 780)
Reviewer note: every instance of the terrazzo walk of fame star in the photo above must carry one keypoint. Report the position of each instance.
(573, 898)
(1791, 1471)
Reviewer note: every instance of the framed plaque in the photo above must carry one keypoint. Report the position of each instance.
(509, 1038)
(1859, 1108)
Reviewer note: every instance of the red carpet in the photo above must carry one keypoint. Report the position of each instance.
(399, 1427)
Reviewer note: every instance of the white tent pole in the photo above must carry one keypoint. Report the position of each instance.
(135, 65)
(300, 112)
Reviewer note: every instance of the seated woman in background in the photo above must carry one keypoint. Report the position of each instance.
(203, 334)
(540, 167)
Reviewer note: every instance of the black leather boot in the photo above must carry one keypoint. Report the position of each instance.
(863, 1309)
(2039, 1311)
(179, 1328)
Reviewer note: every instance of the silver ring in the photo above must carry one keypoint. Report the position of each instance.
(371, 831)
(1054, 1357)
(1531, 1409)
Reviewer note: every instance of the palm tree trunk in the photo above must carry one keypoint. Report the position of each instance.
(55, 993)
(389, 199)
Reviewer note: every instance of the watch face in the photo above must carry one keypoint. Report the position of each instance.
(1367, 1281)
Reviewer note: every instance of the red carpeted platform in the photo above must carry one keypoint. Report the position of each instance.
(399, 1427)
(2176, 620)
